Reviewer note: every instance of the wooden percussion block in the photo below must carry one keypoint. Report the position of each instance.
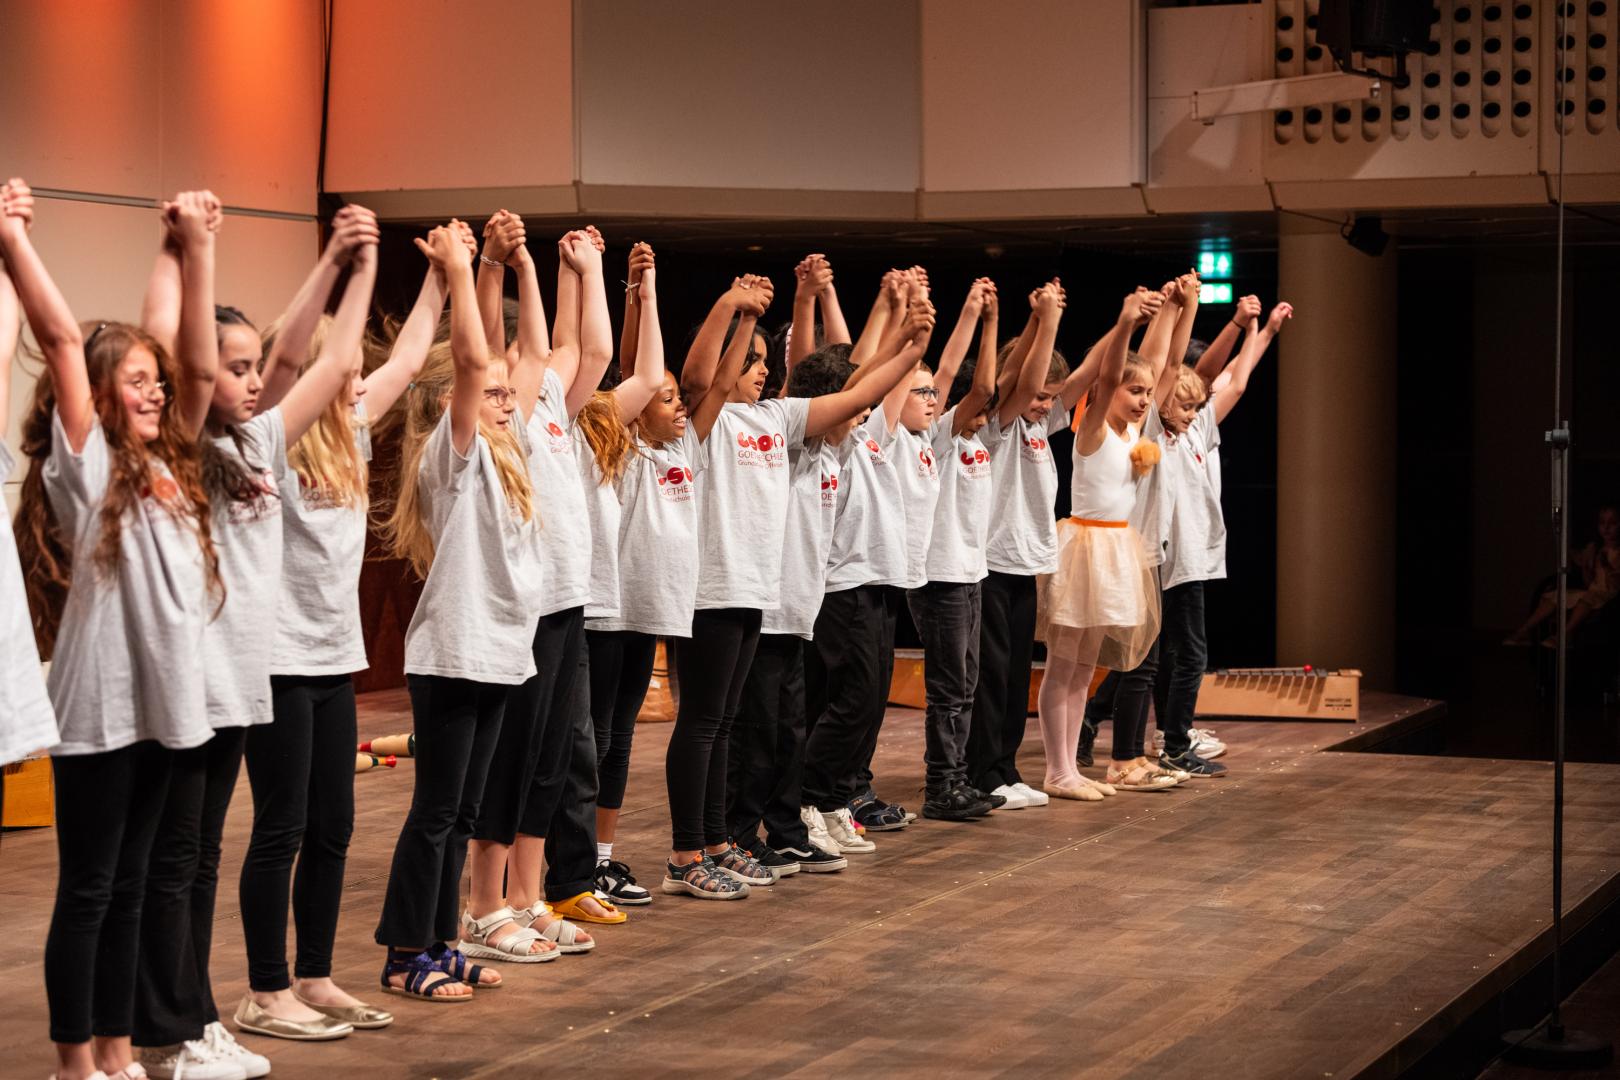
(30, 794)
(661, 701)
(1329, 695)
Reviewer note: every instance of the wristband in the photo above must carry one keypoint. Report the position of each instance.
(487, 261)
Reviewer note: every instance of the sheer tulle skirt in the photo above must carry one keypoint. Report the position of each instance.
(1103, 582)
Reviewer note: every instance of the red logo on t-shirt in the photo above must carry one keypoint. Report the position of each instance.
(1035, 448)
(554, 429)
(675, 484)
(761, 452)
(676, 475)
(925, 462)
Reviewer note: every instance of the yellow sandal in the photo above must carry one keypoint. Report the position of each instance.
(571, 909)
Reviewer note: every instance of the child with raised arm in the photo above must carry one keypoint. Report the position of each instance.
(464, 516)
(302, 785)
(113, 536)
(27, 721)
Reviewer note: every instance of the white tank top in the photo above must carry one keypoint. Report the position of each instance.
(1104, 485)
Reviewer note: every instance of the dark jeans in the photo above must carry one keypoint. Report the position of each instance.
(303, 810)
(1186, 655)
(947, 618)
(530, 757)
(712, 668)
(621, 670)
(457, 725)
(847, 676)
(107, 811)
(1001, 703)
(174, 997)
(766, 760)
(1124, 697)
(562, 803)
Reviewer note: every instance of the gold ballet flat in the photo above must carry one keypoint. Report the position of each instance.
(250, 1017)
(360, 1017)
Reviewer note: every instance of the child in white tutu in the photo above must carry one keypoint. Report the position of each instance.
(1102, 604)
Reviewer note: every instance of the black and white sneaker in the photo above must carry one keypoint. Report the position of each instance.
(812, 859)
(1194, 766)
(778, 864)
(615, 882)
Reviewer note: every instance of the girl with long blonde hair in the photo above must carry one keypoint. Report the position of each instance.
(464, 517)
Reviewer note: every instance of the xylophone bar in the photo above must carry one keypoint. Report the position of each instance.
(1306, 670)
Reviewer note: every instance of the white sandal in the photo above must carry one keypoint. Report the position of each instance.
(515, 947)
(560, 932)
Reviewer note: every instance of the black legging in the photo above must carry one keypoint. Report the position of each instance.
(457, 724)
(301, 772)
(175, 997)
(712, 668)
(621, 669)
(107, 811)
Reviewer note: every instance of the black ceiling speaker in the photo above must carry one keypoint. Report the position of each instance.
(1373, 27)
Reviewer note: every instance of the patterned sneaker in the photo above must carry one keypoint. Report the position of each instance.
(702, 879)
(778, 864)
(842, 830)
(614, 882)
(738, 865)
(816, 825)
(192, 1060)
(874, 815)
(813, 860)
(1191, 765)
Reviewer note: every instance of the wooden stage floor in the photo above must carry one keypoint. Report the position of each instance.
(1315, 914)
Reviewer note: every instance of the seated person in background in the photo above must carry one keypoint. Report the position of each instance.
(1599, 566)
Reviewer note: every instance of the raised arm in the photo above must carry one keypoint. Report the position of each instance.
(1046, 315)
(1215, 357)
(385, 385)
(352, 227)
(10, 332)
(564, 355)
(878, 319)
(326, 377)
(49, 318)
(647, 377)
(197, 346)
(1235, 379)
(1137, 309)
(919, 325)
(1155, 345)
(834, 330)
(504, 236)
(984, 370)
(956, 346)
(890, 374)
(748, 294)
(630, 332)
(731, 365)
(595, 328)
(447, 248)
(802, 342)
(529, 373)
(1187, 289)
(160, 307)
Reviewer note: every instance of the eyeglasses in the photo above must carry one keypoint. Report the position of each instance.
(927, 393)
(144, 386)
(499, 395)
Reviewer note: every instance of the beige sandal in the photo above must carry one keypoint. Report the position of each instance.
(1139, 775)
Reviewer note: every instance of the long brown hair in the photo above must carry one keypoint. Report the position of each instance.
(326, 457)
(606, 435)
(46, 556)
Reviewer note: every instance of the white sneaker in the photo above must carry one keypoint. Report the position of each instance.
(191, 1060)
(816, 825)
(218, 1038)
(1205, 744)
(1031, 796)
(841, 827)
(1016, 800)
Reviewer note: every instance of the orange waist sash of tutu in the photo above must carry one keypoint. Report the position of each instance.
(1092, 523)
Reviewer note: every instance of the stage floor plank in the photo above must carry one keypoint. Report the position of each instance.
(1310, 915)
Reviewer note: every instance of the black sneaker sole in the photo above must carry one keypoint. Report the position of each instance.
(630, 901)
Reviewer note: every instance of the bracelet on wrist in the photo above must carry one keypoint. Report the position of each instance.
(487, 261)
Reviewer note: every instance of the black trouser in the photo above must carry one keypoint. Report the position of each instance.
(531, 755)
(1124, 697)
(175, 997)
(457, 725)
(1001, 703)
(1186, 655)
(621, 670)
(107, 811)
(847, 678)
(303, 809)
(947, 616)
(562, 802)
(712, 666)
(767, 748)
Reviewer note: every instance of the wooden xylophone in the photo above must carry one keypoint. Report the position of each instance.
(1305, 692)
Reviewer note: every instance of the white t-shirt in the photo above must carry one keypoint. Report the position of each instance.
(1196, 548)
(657, 540)
(1023, 522)
(812, 510)
(481, 601)
(27, 722)
(603, 515)
(742, 498)
(962, 511)
(914, 463)
(126, 661)
(238, 641)
(868, 542)
(564, 534)
(1150, 515)
(323, 548)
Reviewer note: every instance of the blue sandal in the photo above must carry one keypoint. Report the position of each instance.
(454, 962)
(418, 968)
